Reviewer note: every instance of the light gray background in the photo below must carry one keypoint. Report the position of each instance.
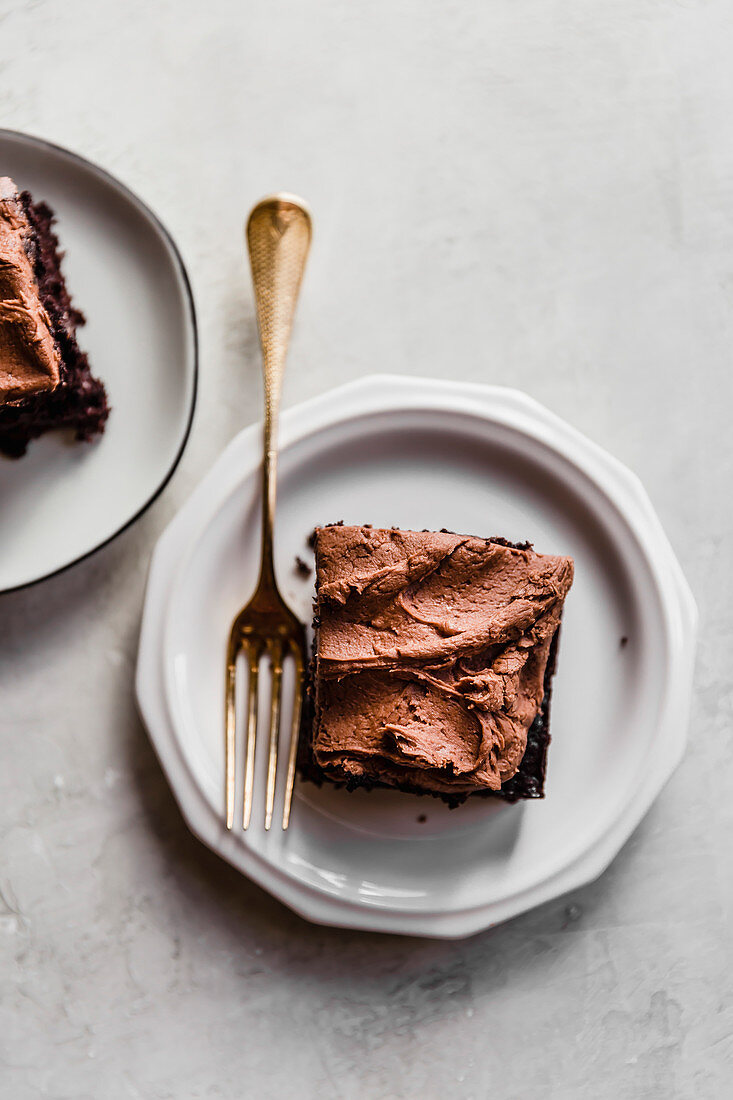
(537, 192)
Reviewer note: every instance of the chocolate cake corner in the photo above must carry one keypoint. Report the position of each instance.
(78, 403)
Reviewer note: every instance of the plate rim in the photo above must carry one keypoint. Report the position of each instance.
(23, 137)
(395, 392)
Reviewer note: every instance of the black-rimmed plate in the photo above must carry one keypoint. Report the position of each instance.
(63, 500)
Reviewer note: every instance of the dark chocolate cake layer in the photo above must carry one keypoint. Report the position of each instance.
(79, 401)
(435, 663)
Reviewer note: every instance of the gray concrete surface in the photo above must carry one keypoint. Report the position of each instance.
(537, 193)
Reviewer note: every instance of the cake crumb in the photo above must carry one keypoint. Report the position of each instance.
(302, 567)
(422, 818)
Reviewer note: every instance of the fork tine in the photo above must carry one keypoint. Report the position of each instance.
(249, 759)
(294, 733)
(276, 656)
(231, 729)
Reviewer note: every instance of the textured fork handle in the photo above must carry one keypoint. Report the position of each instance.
(278, 239)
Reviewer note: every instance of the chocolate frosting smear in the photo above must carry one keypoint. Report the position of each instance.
(29, 359)
(431, 655)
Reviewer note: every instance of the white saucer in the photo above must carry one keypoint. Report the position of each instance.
(418, 454)
(63, 500)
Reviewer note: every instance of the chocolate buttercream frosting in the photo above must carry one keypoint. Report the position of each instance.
(29, 358)
(46, 383)
(431, 654)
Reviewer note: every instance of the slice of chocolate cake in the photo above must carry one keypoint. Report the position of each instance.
(45, 380)
(433, 663)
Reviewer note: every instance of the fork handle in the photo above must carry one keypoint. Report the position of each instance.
(278, 240)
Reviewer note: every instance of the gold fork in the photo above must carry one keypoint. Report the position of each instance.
(278, 239)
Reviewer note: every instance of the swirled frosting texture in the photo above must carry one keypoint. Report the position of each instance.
(29, 359)
(431, 655)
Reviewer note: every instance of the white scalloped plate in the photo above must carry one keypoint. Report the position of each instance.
(420, 454)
